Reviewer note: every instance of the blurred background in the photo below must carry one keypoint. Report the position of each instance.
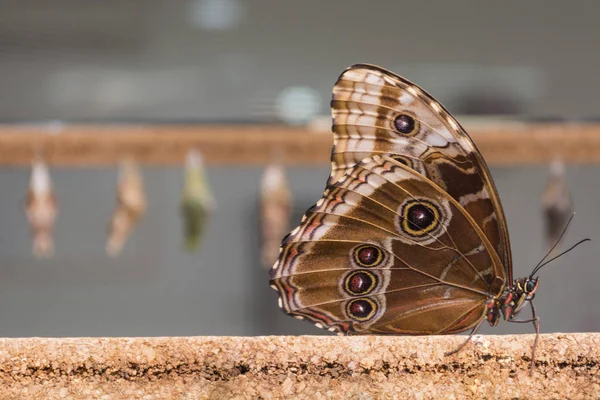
(265, 62)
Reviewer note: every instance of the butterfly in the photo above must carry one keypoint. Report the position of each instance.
(410, 236)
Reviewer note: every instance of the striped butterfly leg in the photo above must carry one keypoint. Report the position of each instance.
(462, 346)
(535, 320)
(494, 311)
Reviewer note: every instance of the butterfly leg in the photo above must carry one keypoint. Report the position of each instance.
(536, 323)
(459, 348)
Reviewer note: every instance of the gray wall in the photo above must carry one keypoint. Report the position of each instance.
(155, 288)
(146, 59)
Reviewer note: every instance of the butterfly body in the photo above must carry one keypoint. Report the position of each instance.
(409, 236)
(512, 300)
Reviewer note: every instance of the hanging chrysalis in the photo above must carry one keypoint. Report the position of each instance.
(197, 201)
(41, 209)
(131, 205)
(557, 204)
(276, 205)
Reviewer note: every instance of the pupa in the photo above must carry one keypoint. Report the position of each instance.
(131, 205)
(41, 209)
(276, 205)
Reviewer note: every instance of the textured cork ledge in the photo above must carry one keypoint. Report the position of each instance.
(300, 367)
(507, 143)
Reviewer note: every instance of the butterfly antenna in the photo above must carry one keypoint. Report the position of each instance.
(555, 244)
(537, 268)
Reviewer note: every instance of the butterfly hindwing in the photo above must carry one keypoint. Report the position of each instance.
(386, 250)
(378, 112)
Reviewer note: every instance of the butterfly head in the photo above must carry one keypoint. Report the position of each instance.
(526, 287)
(524, 290)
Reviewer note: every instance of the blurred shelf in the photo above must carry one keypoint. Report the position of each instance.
(500, 143)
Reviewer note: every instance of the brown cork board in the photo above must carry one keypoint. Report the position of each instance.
(300, 367)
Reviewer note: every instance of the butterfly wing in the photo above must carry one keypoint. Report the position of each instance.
(386, 250)
(378, 112)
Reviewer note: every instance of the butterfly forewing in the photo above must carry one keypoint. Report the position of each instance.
(386, 250)
(377, 112)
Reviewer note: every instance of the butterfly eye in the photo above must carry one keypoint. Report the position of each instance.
(360, 282)
(368, 256)
(361, 309)
(419, 217)
(406, 124)
(530, 286)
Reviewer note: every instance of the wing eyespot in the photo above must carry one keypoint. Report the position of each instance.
(402, 160)
(406, 124)
(362, 309)
(360, 282)
(419, 217)
(367, 256)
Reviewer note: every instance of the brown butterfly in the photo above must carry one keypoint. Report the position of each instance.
(409, 236)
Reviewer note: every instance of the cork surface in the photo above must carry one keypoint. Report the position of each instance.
(501, 143)
(300, 367)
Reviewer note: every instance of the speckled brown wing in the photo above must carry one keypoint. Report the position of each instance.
(387, 251)
(378, 112)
